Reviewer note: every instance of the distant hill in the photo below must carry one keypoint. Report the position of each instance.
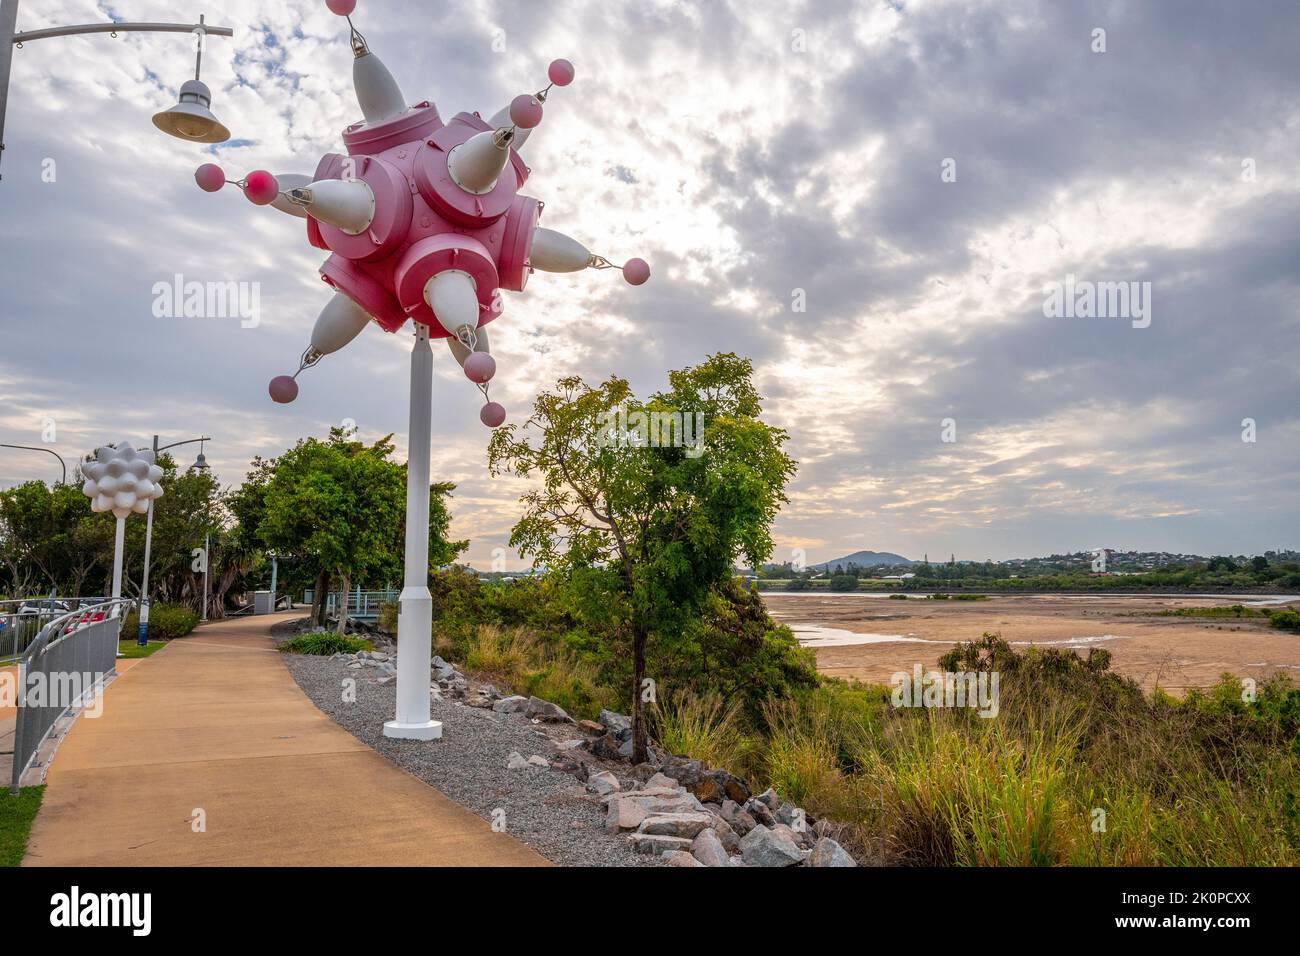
(864, 559)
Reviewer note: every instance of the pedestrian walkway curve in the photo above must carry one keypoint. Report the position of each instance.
(212, 729)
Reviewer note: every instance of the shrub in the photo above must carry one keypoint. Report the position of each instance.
(325, 643)
(844, 582)
(166, 622)
(1286, 620)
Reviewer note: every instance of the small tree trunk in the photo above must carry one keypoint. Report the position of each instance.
(343, 603)
(639, 749)
(318, 603)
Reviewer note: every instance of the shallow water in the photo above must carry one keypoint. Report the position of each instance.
(1250, 600)
(816, 635)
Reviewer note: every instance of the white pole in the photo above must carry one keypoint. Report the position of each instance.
(118, 541)
(415, 614)
(8, 20)
(142, 632)
(207, 562)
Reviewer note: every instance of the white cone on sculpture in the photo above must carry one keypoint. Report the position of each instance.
(502, 118)
(555, 252)
(378, 94)
(339, 323)
(348, 204)
(476, 164)
(452, 296)
(461, 353)
(289, 181)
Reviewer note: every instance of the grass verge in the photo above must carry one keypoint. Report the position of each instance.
(16, 816)
(130, 650)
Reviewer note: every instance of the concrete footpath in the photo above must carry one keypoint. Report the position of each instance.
(213, 727)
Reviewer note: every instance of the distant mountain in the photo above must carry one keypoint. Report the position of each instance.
(863, 559)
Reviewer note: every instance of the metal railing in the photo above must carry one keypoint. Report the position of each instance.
(21, 619)
(63, 667)
(362, 605)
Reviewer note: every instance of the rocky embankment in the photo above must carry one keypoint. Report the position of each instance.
(567, 787)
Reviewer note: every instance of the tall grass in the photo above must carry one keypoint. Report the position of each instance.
(525, 664)
(702, 726)
(1078, 768)
(974, 794)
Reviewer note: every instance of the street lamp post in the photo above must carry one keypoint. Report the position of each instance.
(189, 119)
(201, 465)
(142, 632)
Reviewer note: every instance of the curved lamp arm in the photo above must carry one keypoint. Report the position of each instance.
(48, 452)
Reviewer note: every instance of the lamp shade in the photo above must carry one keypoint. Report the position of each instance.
(191, 118)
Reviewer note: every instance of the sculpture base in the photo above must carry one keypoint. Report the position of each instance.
(429, 730)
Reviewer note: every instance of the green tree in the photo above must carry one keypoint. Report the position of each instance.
(653, 528)
(338, 506)
(51, 540)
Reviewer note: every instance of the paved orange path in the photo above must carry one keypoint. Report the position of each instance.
(215, 722)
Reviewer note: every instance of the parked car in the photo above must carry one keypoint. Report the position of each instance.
(83, 620)
(47, 607)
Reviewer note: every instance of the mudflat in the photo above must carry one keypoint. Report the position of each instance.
(1174, 653)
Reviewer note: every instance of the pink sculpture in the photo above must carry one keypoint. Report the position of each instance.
(423, 219)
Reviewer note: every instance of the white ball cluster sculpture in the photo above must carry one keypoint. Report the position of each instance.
(122, 480)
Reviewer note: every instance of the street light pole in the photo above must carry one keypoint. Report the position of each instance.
(142, 632)
(8, 21)
(207, 561)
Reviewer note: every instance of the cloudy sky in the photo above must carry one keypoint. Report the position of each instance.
(867, 198)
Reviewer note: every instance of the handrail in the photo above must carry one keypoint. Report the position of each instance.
(74, 620)
(77, 645)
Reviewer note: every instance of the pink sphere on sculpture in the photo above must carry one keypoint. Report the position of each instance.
(493, 414)
(525, 111)
(210, 177)
(480, 367)
(261, 187)
(283, 389)
(342, 8)
(560, 72)
(636, 271)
